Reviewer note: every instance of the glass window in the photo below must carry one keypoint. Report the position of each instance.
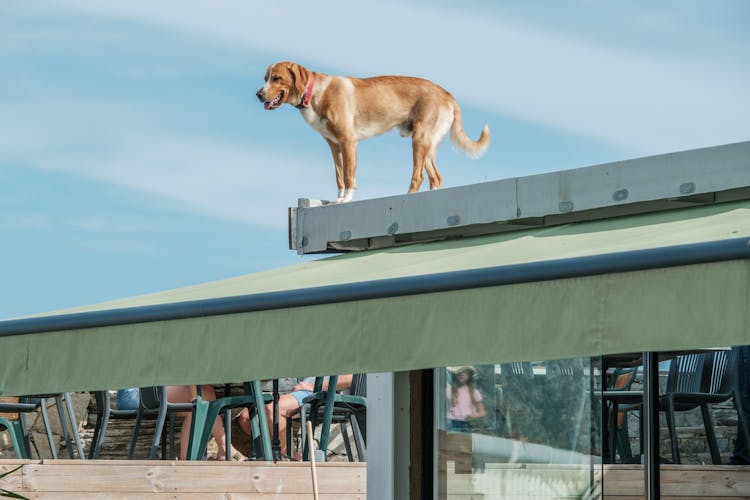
(517, 429)
(573, 428)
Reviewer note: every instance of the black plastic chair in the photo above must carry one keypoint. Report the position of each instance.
(153, 403)
(698, 381)
(104, 413)
(684, 380)
(618, 399)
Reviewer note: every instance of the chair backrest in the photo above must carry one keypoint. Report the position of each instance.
(359, 384)
(517, 380)
(517, 369)
(722, 370)
(153, 396)
(565, 368)
(622, 379)
(686, 373)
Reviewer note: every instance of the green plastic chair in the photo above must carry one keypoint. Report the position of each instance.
(30, 404)
(15, 426)
(16, 436)
(329, 407)
(206, 412)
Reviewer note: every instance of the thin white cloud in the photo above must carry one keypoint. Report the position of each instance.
(640, 101)
(212, 178)
(634, 99)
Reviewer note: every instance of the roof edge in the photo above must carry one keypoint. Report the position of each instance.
(616, 262)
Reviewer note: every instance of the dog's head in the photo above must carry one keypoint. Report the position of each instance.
(285, 83)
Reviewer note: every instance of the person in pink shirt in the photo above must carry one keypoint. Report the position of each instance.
(465, 399)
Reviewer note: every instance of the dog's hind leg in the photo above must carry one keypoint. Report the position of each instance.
(420, 151)
(428, 132)
(432, 172)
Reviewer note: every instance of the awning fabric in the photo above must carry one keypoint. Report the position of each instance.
(679, 307)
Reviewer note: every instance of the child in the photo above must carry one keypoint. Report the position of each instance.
(465, 399)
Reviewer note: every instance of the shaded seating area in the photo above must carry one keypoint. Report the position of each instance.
(95, 422)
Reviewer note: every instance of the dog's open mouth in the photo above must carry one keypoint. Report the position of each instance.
(275, 103)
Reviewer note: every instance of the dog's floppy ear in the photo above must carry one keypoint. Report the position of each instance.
(300, 76)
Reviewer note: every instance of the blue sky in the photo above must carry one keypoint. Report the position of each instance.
(134, 156)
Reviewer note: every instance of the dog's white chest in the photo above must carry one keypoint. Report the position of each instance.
(317, 122)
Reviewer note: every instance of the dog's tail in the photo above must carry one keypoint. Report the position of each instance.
(461, 141)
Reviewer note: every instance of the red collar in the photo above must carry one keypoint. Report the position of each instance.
(305, 102)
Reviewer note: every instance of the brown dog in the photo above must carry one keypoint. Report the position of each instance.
(347, 110)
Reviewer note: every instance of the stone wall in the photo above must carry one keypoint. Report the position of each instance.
(691, 435)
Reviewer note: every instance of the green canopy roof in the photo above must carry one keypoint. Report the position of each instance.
(685, 306)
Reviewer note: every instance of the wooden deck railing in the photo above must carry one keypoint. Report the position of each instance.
(134, 479)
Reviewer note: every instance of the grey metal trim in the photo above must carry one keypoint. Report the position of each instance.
(618, 262)
(662, 182)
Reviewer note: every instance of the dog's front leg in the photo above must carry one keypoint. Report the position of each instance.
(338, 163)
(349, 156)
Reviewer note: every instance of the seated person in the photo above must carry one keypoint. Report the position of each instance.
(289, 402)
(185, 394)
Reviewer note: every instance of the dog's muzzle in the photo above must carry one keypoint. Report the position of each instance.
(260, 96)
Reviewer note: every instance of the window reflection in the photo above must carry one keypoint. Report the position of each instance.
(515, 429)
(573, 428)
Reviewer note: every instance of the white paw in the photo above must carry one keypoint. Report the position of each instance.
(345, 196)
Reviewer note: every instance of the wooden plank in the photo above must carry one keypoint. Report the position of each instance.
(519, 481)
(620, 481)
(189, 496)
(12, 482)
(668, 497)
(683, 481)
(625, 480)
(185, 477)
(723, 481)
(185, 463)
(663, 497)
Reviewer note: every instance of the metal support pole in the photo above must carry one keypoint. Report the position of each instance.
(651, 423)
(276, 445)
